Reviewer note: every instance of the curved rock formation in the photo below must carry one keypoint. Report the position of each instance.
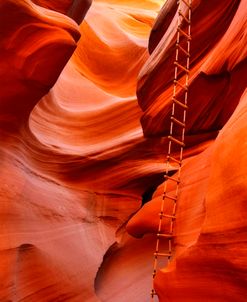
(76, 167)
(24, 74)
(210, 231)
(72, 173)
(76, 9)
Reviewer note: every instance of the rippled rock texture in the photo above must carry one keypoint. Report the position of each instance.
(76, 166)
(74, 160)
(210, 230)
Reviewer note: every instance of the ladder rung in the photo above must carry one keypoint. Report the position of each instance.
(176, 121)
(179, 103)
(164, 235)
(161, 214)
(182, 144)
(172, 178)
(182, 49)
(184, 86)
(184, 17)
(169, 197)
(154, 274)
(156, 254)
(184, 33)
(185, 2)
(181, 67)
(169, 157)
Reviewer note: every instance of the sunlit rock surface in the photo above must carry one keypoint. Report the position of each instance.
(74, 160)
(210, 231)
(76, 166)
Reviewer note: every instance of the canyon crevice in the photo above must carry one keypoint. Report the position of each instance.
(85, 104)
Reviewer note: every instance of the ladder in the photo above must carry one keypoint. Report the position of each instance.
(179, 104)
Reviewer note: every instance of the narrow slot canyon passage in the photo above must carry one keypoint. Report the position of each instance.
(92, 172)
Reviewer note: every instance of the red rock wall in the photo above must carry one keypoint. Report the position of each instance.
(75, 163)
(74, 160)
(210, 230)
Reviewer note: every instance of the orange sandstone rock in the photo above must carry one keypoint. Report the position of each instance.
(75, 164)
(210, 242)
(29, 36)
(76, 9)
(74, 160)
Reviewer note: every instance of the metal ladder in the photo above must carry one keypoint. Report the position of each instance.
(182, 66)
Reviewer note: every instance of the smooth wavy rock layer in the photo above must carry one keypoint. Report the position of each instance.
(74, 160)
(75, 165)
(210, 230)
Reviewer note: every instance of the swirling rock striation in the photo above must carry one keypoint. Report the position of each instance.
(210, 244)
(74, 160)
(29, 34)
(75, 164)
